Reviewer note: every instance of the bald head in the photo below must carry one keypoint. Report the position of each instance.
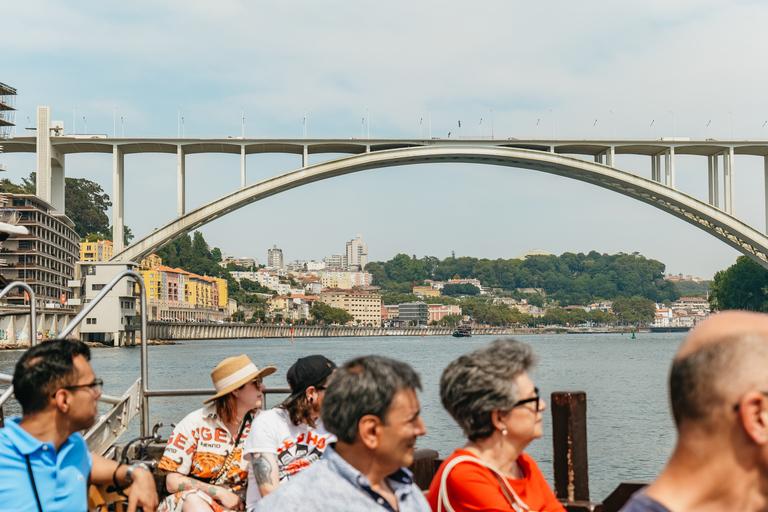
(724, 357)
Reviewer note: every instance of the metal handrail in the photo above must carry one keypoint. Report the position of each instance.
(32, 307)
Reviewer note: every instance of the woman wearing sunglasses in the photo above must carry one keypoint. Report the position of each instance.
(490, 395)
(203, 460)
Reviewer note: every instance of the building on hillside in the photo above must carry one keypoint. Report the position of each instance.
(174, 294)
(426, 291)
(294, 307)
(335, 261)
(311, 284)
(365, 307)
(246, 262)
(114, 320)
(45, 257)
(438, 311)
(151, 261)
(437, 285)
(96, 251)
(389, 313)
(473, 282)
(274, 257)
(416, 313)
(509, 301)
(357, 253)
(313, 265)
(695, 303)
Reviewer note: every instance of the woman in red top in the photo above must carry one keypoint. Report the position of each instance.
(491, 397)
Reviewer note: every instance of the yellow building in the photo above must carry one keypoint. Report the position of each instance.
(96, 251)
(223, 293)
(151, 261)
(427, 291)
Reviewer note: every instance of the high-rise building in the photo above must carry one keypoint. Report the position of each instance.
(357, 253)
(45, 257)
(7, 110)
(275, 257)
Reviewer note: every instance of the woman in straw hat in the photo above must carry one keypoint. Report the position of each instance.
(203, 458)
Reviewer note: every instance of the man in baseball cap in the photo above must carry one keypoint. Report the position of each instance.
(290, 437)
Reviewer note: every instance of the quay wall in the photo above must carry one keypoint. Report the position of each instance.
(201, 331)
(15, 325)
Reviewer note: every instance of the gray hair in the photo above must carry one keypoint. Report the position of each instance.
(705, 381)
(475, 385)
(365, 385)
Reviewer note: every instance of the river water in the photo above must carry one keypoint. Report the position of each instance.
(629, 427)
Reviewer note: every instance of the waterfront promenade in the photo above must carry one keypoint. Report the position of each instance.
(202, 331)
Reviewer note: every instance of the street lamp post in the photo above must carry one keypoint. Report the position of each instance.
(707, 130)
(492, 134)
(614, 124)
(652, 121)
(25, 271)
(553, 123)
(593, 129)
(537, 128)
(763, 130)
(731, 124)
(85, 126)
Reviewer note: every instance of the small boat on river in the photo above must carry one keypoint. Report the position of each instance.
(462, 331)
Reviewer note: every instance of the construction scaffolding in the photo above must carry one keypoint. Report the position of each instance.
(7, 110)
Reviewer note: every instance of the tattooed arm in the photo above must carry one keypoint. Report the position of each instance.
(176, 482)
(265, 472)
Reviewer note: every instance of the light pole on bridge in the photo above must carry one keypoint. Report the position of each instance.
(707, 130)
(492, 134)
(553, 123)
(763, 130)
(613, 116)
(652, 121)
(122, 127)
(593, 128)
(537, 127)
(731, 124)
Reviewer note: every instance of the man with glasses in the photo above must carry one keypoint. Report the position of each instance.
(719, 394)
(44, 460)
(288, 438)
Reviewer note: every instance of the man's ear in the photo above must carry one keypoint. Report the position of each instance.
(369, 430)
(753, 413)
(60, 399)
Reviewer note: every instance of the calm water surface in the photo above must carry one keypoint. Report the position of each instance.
(630, 431)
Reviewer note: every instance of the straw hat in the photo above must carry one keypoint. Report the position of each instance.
(233, 372)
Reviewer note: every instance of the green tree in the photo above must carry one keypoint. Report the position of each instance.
(453, 290)
(326, 314)
(743, 285)
(635, 310)
(450, 320)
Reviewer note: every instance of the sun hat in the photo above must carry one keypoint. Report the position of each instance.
(233, 372)
(308, 371)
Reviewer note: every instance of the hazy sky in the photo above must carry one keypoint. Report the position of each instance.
(392, 63)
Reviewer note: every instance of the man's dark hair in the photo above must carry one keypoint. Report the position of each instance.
(365, 385)
(300, 408)
(45, 368)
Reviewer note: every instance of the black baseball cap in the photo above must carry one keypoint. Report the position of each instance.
(308, 371)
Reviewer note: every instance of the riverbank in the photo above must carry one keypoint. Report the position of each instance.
(199, 331)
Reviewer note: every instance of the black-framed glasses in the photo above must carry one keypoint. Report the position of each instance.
(257, 382)
(536, 399)
(736, 407)
(96, 385)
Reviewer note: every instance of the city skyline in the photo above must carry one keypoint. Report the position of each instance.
(602, 70)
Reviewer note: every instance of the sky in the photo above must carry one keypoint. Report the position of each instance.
(582, 70)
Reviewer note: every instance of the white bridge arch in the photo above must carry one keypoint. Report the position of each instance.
(714, 221)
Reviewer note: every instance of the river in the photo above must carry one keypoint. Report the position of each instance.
(630, 431)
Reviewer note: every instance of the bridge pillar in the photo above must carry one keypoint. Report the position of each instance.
(118, 198)
(671, 167)
(732, 178)
(726, 183)
(50, 163)
(305, 156)
(715, 182)
(611, 154)
(667, 160)
(765, 174)
(711, 198)
(180, 181)
(242, 166)
(654, 168)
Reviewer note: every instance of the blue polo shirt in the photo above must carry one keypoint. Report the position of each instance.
(61, 478)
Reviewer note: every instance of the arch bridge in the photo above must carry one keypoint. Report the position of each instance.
(594, 164)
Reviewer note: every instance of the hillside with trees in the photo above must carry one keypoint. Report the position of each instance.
(568, 279)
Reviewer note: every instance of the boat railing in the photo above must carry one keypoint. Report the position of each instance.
(32, 307)
(124, 407)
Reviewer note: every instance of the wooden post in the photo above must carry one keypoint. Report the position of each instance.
(569, 435)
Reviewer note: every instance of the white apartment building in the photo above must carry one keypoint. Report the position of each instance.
(357, 253)
(275, 257)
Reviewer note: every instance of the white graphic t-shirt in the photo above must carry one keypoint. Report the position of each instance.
(296, 447)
